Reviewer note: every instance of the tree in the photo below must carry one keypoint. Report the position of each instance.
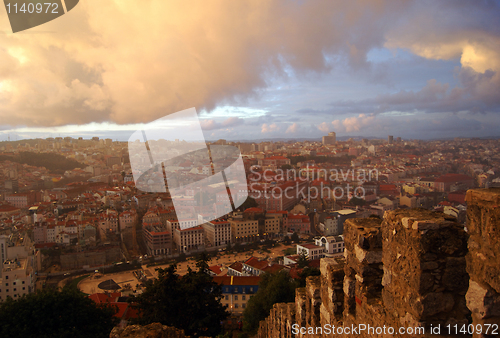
(295, 237)
(237, 247)
(306, 272)
(182, 257)
(273, 288)
(249, 203)
(357, 201)
(52, 313)
(286, 240)
(191, 302)
(302, 261)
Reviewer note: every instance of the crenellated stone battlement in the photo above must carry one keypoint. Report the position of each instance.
(414, 268)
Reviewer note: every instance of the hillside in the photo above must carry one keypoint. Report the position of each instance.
(55, 163)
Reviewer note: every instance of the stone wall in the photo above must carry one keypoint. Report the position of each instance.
(97, 257)
(483, 259)
(154, 330)
(410, 269)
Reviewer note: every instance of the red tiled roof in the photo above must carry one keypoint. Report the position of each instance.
(448, 178)
(237, 266)
(254, 210)
(237, 280)
(105, 297)
(5, 208)
(310, 246)
(276, 158)
(387, 187)
(215, 269)
(273, 268)
(256, 264)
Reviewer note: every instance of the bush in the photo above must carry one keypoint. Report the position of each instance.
(51, 313)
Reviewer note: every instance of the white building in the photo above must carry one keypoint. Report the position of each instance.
(18, 268)
(311, 251)
(334, 245)
(17, 279)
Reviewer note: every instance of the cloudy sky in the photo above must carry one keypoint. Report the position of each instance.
(256, 69)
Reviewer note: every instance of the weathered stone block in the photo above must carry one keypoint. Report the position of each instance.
(482, 301)
(368, 257)
(429, 265)
(407, 222)
(483, 224)
(424, 225)
(455, 277)
(434, 303)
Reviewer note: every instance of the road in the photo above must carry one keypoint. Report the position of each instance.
(89, 285)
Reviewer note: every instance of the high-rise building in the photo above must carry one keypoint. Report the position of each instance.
(390, 139)
(398, 140)
(330, 139)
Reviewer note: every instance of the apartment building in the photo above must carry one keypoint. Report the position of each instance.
(272, 226)
(18, 267)
(311, 251)
(282, 196)
(243, 230)
(158, 239)
(189, 239)
(128, 219)
(21, 200)
(217, 232)
(299, 223)
(237, 290)
(334, 245)
(17, 278)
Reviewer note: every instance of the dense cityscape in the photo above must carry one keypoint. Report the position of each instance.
(55, 222)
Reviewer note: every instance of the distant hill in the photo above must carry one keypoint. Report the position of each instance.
(55, 163)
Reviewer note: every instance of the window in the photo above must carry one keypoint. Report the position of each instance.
(24, 288)
(251, 289)
(6, 284)
(14, 283)
(15, 289)
(235, 306)
(227, 297)
(243, 297)
(235, 297)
